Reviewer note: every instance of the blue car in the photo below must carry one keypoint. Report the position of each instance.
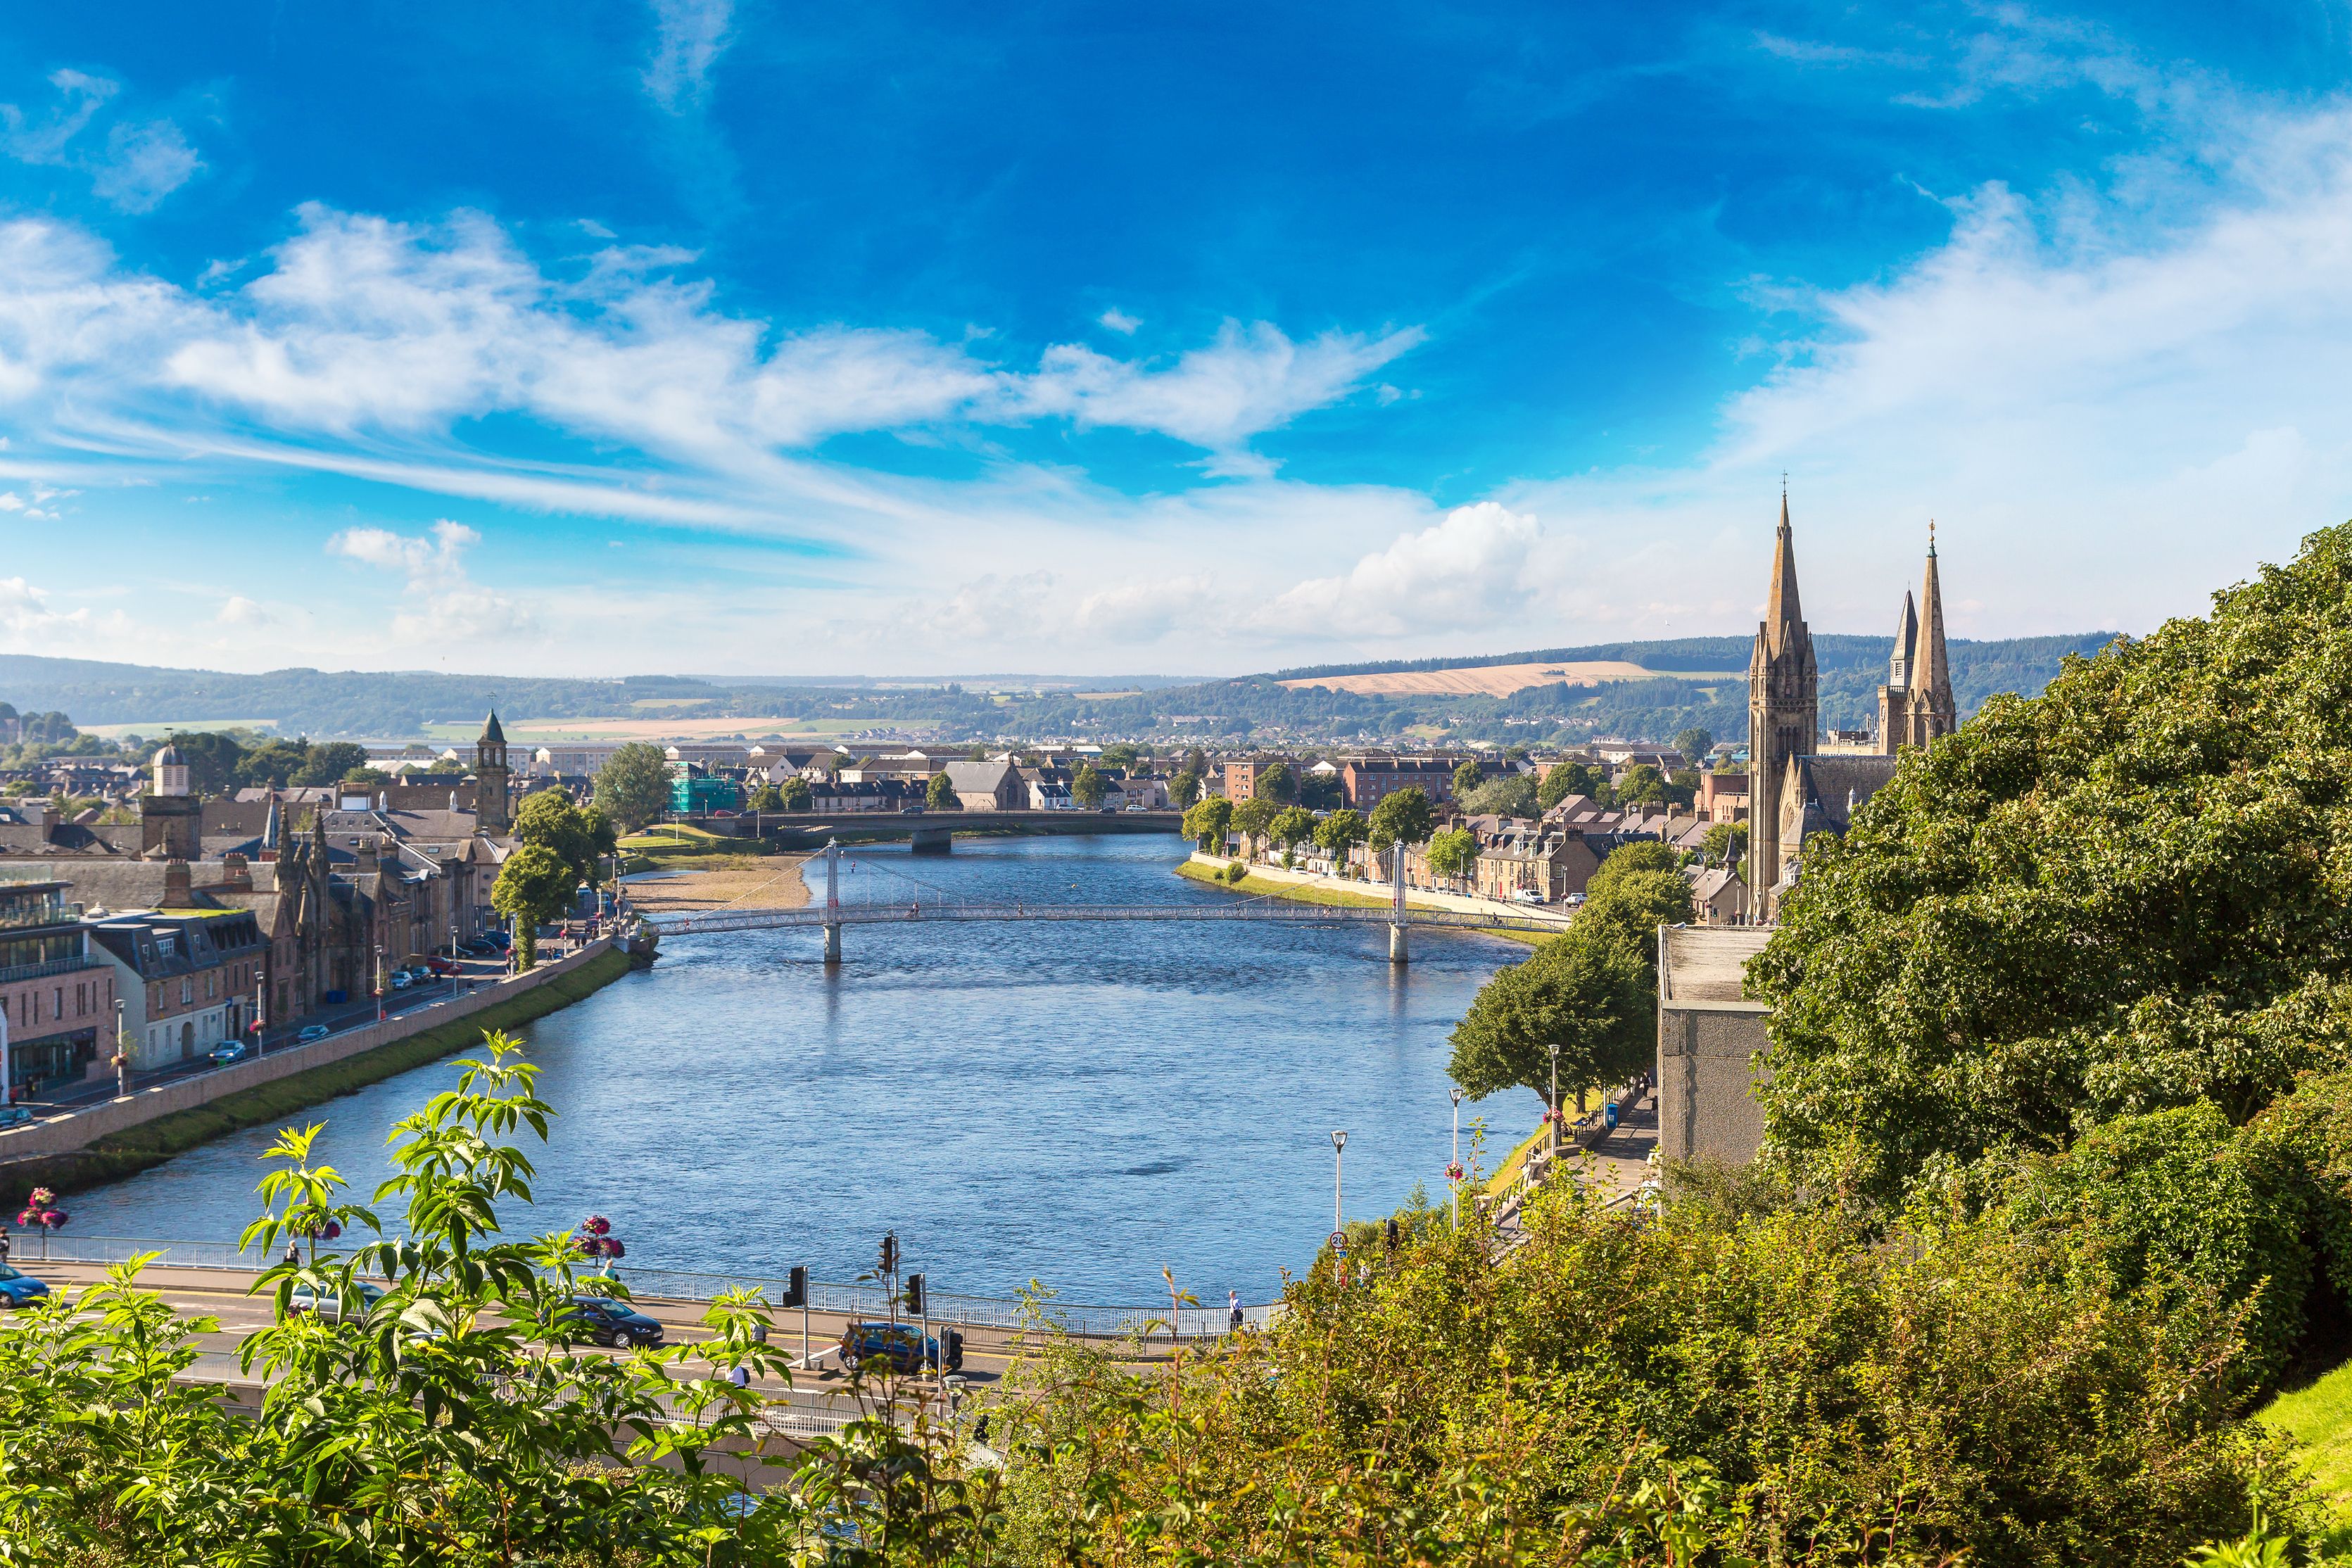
(903, 1347)
(19, 1289)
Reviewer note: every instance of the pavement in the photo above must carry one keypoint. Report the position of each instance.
(355, 1014)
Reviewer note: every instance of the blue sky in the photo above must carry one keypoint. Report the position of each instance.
(908, 339)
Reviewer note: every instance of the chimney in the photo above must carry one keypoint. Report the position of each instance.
(177, 894)
(236, 877)
(366, 854)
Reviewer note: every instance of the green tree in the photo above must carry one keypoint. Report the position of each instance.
(1405, 817)
(1682, 787)
(274, 764)
(580, 836)
(1340, 832)
(1467, 777)
(632, 787)
(1278, 783)
(1641, 784)
(1205, 823)
(213, 760)
(794, 795)
(534, 887)
(939, 795)
(1293, 825)
(1592, 997)
(1254, 819)
(1321, 792)
(331, 761)
(1086, 787)
(1184, 789)
(1564, 779)
(1454, 854)
(1514, 795)
(1120, 754)
(1695, 743)
(764, 796)
(1726, 844)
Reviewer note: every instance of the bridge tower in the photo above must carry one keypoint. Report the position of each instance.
(833, 902)
(1397, 950)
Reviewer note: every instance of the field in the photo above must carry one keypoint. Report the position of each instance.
(525, 731)
(150, 727)
(1484, 680)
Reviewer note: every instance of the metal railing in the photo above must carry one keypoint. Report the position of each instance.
(48, 967)
(857, 1299)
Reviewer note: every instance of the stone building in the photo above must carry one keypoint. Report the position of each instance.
(1784, 707)
(1915, 706)
(1710, 1032)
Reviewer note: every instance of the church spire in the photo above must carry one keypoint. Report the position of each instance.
(1932, 668)
(1907, 644)
(1783, 615)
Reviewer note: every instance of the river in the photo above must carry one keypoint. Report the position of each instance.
(1079, 1103)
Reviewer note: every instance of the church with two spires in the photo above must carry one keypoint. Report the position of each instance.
(1796, 787)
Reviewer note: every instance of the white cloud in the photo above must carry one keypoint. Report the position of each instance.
(443, 604)
(1118, 320)
(238, 610)
(11, 502)
(1462, 575)
(143, 161)
(27, 618)
(689, 37)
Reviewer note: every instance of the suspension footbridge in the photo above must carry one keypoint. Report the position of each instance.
(906, 900)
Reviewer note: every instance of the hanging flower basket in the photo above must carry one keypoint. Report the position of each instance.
(1453, 1173)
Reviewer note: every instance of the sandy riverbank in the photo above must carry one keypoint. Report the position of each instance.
(736, 882)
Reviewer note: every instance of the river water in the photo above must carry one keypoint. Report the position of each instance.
(1077, 1103)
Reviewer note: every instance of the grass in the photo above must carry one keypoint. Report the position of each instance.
(1267, 887)
(135, 1149)
(2319, 1419)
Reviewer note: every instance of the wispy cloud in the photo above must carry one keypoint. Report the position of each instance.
(443, 604)
(137, 164)
(689, 37)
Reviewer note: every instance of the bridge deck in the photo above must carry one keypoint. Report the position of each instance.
(1281, 912)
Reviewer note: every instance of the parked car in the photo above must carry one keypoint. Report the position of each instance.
(1528, 896)
(499, 941)
(911, 811)
(14, 1116)
(609, 1321)
(229, 1051)
(400, 980)
(304, 1302)
(1574, 900)
(312, 1032)
(445, 967)
(902, 1346)
(19, 1289)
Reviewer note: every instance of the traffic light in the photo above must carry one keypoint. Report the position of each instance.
(914, 1295)
(889, 1252)
(796, 1288)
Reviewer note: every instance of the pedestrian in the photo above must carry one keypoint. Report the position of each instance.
(293, 1255)
(1233, 1306)
(738, 1377)
(4, 1244)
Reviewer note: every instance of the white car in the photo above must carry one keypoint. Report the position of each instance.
(1528, 896)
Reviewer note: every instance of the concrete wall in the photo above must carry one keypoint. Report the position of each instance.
(61, 1134)
(1705, 1108)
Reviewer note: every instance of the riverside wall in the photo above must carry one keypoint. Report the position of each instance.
(65, 1134)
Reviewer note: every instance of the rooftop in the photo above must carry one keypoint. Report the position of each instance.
(1708, 964)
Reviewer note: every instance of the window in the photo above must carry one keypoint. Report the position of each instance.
(187, 992)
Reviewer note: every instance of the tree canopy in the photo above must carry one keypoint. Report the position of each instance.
(1276, 782)
(534, 886)
(632, 787)
(939, 795)
(1205, 822)
(1453, 853)
(1405, 817)
(1341, 831)
(1088, 786)
(1467, 777)
(2125, 895)
(1513, 794)
(579, 835)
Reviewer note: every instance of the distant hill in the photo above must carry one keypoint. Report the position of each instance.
(1688, 686)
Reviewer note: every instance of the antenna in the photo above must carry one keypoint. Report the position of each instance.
(1931, 536)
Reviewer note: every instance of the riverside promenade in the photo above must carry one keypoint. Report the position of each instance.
(79, 1127)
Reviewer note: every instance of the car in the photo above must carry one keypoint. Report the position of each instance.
(312, 1032)
(1574, 900)
(18, 1288)
(14, 1116)
(229, 1051)
(911, 811)
(304, 1302)
(902, 1346)
(400, 980)
(445, 967)
(607, 1320)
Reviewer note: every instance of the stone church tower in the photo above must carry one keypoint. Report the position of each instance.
(1915, 705)
(492, 814)
(1784, 710)
(171, 814)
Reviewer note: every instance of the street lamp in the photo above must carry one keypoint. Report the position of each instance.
(121, 1054)
(1456, 1167)
(1339, 1143)
(379, 983)
(1555, 1101)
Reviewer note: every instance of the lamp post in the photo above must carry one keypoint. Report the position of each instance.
(1456, 1167)
(1555, 1101)
(1339, 1144)
(121, 1054)
(379, 983)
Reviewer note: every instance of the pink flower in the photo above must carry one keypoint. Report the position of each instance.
(1453, 1173)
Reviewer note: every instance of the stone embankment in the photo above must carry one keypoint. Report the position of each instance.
(116, 1137)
